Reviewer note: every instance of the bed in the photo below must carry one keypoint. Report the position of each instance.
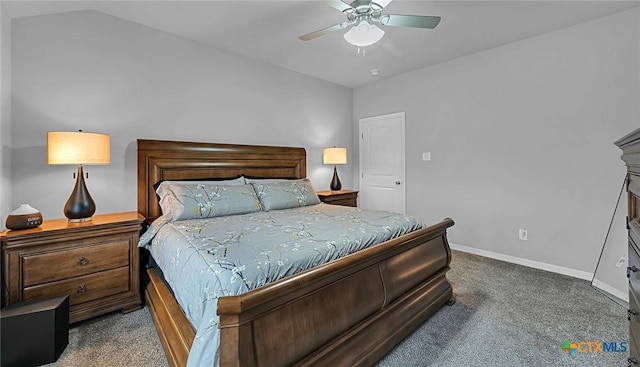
(349, 311)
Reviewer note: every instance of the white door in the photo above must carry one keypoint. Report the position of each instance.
(382, 181)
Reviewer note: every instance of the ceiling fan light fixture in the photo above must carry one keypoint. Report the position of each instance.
(364, 34)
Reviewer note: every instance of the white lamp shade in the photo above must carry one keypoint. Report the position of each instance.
(363, 34)
(334, 155)
(77, 147)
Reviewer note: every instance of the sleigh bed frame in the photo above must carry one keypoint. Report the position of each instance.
(348, 312)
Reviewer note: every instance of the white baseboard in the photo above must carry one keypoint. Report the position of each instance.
(526, 262)
(623, 296)
(544, 266)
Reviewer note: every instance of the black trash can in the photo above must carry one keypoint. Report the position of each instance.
(34, 332)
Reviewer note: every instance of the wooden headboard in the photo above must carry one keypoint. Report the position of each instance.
(160, 160)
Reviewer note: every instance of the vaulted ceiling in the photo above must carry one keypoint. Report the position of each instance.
(269, 30)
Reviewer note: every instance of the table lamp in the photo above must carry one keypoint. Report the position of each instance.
(335, 156)
(78, 148)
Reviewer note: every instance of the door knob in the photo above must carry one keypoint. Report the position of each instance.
(397, 182)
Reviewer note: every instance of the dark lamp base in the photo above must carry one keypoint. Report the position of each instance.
(335, 182)
(80, 206)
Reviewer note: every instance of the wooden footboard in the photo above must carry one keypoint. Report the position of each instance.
(350, 311)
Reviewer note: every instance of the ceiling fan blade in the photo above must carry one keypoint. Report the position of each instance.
(382, 3)
(415, 21)
(338, 5)
(322, 32)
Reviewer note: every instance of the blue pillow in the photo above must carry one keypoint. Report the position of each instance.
(286, 194)
(207, 200)
(162, 185)
(267, 180)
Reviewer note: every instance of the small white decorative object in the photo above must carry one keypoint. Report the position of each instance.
(24, 217)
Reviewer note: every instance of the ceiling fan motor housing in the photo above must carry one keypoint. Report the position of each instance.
(363, 10)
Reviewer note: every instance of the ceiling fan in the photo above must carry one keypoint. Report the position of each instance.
(362, 16)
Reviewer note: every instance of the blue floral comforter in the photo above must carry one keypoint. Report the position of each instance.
(203, 259)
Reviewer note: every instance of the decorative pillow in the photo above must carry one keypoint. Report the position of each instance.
(286, 194)
(161, 185)
(207, 200)
(250, 180)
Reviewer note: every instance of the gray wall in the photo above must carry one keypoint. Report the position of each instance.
(5, 116)
(91, 71)
(522, 135)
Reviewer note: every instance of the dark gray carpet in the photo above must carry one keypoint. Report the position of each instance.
(511, 315)
(505, 315)
(114, 340)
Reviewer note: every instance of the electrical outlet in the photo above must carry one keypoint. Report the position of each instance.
(522, 234)
(621, 261)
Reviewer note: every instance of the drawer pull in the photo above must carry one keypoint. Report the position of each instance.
(631, 361)
(631, 269)
(631, 312)
(83, 261)
(82, 289)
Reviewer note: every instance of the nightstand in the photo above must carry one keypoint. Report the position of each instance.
(342, 197)
(96, 263)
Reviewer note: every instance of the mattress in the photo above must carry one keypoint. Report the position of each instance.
(204, 259)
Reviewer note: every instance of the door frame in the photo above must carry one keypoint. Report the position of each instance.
(403, 164)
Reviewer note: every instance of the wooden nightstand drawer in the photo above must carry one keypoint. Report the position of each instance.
(49, 267)
(83, 289)
(343, 202)
(342, 197)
